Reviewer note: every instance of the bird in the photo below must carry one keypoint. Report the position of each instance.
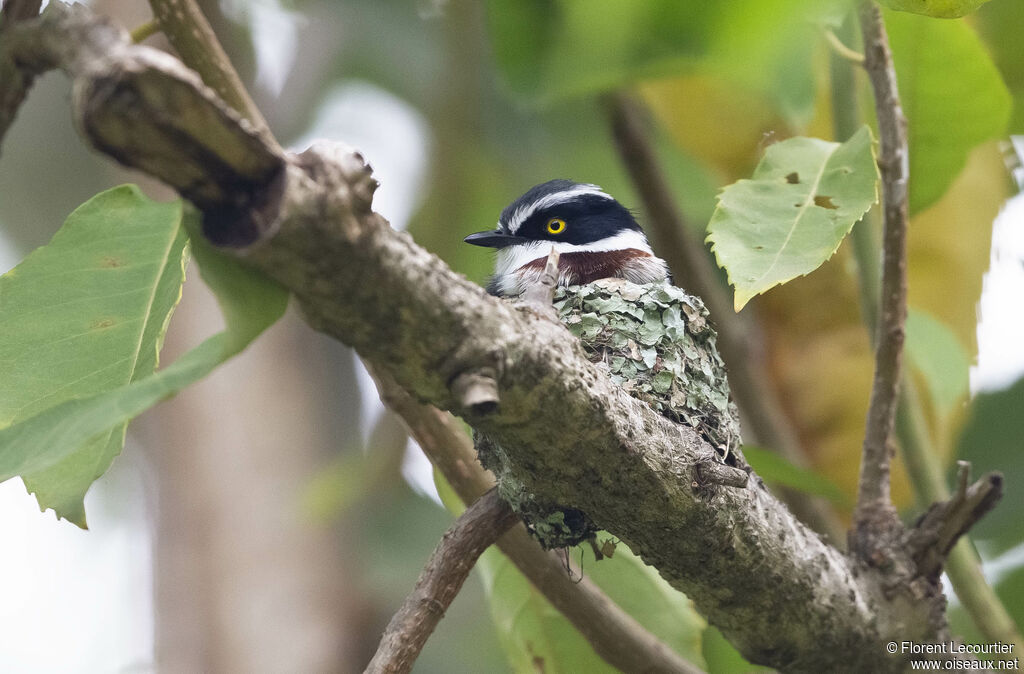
(595, 236)
(616, 296)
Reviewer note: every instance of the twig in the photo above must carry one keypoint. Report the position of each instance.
(613, 633)
(15, 79)
(763, 416)
(440, 581)
(875, 519)
(140, 33)
(841, 49)
(923, 468)
(539, 295)
(188, 31)
(935, 532)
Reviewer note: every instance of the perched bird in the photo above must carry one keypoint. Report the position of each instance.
(653, 339)
(595, 235)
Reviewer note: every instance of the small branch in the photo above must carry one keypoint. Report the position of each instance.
(614, 634)
(540, 295)
(923, 468)
(15, 79)
(764, 420)
(936, 531)
(875, 519)
(477, 391)
(841, 49)
(187, 29)
(454, 557)
(714, 472)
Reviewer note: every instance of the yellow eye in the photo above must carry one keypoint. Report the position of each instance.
(556, 226)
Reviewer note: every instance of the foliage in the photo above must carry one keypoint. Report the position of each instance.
(537, 637)
(804, 197)
(68, 410)
(952, 95)
(83, 315)
(945, 9)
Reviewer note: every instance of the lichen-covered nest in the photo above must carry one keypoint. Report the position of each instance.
(657, 343)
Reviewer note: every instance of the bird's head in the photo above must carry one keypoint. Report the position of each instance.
(596, 236)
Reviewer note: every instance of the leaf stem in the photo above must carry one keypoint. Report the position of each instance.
(140, 33)
(839, 47)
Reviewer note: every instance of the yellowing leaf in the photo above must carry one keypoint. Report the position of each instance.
(804, 197)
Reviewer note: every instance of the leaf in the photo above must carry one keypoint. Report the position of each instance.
(942, 9)
(537, 637)
(548, 51)
(33, 444)
(804, 198)
(991, 440)
(953, 96)
(776, 470)
(999, 24)
(936, 353)
(84, 314)
(551, 50)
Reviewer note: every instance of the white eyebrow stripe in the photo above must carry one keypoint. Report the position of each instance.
(523, 213)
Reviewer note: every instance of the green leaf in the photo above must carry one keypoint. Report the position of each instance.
(936, 353)
(54, 436)
(536, 637)
(723, 658)
(952, 94)
(804, 197)
(776, 470)
(548, 51)
(999, 24)
(84, 314)
(942, 9)
(992, 440)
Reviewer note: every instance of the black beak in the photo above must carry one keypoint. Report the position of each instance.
(493, 239)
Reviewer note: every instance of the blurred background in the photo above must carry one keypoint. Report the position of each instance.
(273, 517)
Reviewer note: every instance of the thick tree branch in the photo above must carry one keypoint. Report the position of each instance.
(447, 569)
(764, 421)
(771, 585)
(612, 632)
(875, 519)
